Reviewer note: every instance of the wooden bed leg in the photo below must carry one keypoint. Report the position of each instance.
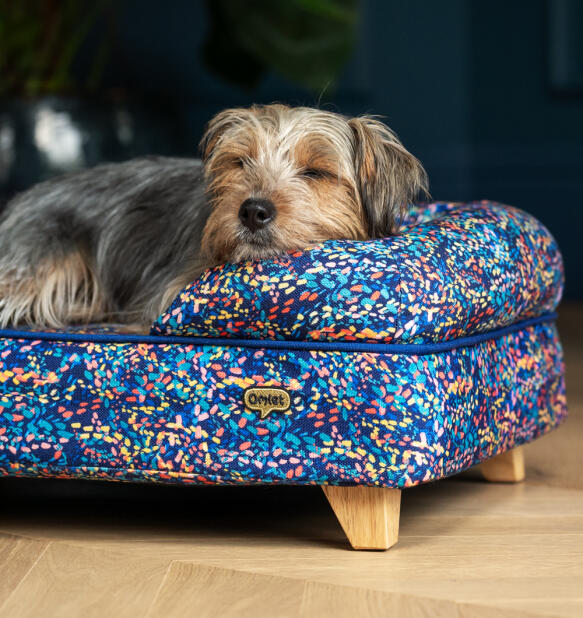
(507, 467)
(369, 516)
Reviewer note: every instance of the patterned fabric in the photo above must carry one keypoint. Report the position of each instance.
(91, 404)
(454, 270)
(176, 413)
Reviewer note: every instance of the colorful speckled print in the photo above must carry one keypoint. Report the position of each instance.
(454, 270)
(99, 403)
(165, 412)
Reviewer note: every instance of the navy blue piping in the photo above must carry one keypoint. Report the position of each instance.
(413, 349)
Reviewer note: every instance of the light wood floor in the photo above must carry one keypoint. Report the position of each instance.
(467, 548)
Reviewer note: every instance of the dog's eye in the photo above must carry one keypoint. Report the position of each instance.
(312, 172)
(238, 162)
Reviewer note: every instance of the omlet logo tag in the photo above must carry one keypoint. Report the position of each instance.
(266, 399)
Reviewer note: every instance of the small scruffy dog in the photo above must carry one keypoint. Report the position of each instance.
(119, 241)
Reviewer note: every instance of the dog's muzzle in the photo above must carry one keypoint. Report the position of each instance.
(256, 213)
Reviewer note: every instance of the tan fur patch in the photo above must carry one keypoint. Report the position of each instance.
(59, 292)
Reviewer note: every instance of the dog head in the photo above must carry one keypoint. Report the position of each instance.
(282, 178)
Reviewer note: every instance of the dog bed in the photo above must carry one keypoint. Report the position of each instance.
(361, 364)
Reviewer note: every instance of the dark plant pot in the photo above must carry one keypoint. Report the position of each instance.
(48, 136)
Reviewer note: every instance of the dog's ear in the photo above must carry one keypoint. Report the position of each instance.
(217, 126)
(388, 176)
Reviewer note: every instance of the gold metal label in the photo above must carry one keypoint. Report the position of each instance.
(266, 399)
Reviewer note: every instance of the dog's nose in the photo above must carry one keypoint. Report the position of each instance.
(255, 213)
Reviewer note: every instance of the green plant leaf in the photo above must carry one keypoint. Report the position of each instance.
(306, 41)
(39, 41)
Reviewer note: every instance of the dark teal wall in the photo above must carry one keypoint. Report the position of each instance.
(527, 140)
(465, 83)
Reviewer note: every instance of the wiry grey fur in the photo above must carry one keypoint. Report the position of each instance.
(138, 223)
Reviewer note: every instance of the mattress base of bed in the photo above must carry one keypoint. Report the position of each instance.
(175, 412)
